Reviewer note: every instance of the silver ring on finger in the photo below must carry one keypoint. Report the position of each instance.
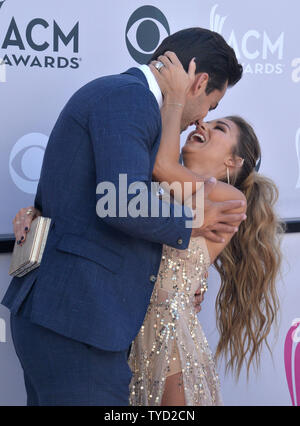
(159, 65)
(29, 211)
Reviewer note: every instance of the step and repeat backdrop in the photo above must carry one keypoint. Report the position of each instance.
(50, 49)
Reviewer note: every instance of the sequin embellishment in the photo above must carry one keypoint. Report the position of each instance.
(171, 320)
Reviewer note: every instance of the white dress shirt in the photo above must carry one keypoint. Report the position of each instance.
(153, 85)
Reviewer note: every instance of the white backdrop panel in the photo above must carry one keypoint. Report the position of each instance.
(50, 49)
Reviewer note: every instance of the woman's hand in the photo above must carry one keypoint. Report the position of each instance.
(22, 222)
(173, 80)
(198, 299)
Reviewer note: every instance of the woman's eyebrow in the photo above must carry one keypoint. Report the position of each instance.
(224, 124)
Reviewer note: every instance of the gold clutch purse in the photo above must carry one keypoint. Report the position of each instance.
(29, 255)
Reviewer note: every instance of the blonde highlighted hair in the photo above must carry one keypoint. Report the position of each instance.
(247, 303)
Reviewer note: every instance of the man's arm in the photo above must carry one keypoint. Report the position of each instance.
(123, 129)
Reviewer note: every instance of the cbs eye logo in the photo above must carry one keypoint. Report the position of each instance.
(145, 30)
(25, 161)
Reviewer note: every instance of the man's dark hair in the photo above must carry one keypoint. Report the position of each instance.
(213, 55)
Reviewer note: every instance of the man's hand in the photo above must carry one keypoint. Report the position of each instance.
(22, 222)
(217, 216)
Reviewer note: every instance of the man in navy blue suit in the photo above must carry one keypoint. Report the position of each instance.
(73, 318)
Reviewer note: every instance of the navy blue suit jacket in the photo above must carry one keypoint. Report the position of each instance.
(97, 274)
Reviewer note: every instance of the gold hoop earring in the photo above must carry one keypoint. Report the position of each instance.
(228, 180)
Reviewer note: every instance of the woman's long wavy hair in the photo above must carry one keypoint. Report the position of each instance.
(247, 303)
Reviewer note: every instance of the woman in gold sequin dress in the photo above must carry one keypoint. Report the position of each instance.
(170, 359)
(171, 346)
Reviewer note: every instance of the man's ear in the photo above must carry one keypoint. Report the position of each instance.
(200, 83)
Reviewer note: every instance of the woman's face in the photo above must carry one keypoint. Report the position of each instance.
(208, 149)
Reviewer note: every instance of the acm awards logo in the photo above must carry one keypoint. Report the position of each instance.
(25, 161)
(262, 54)
(42, 37)
(145, 30)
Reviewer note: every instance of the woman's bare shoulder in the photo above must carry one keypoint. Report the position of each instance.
(223, 192)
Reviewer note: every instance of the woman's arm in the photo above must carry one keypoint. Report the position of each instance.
(174, 82)
(167, 167)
